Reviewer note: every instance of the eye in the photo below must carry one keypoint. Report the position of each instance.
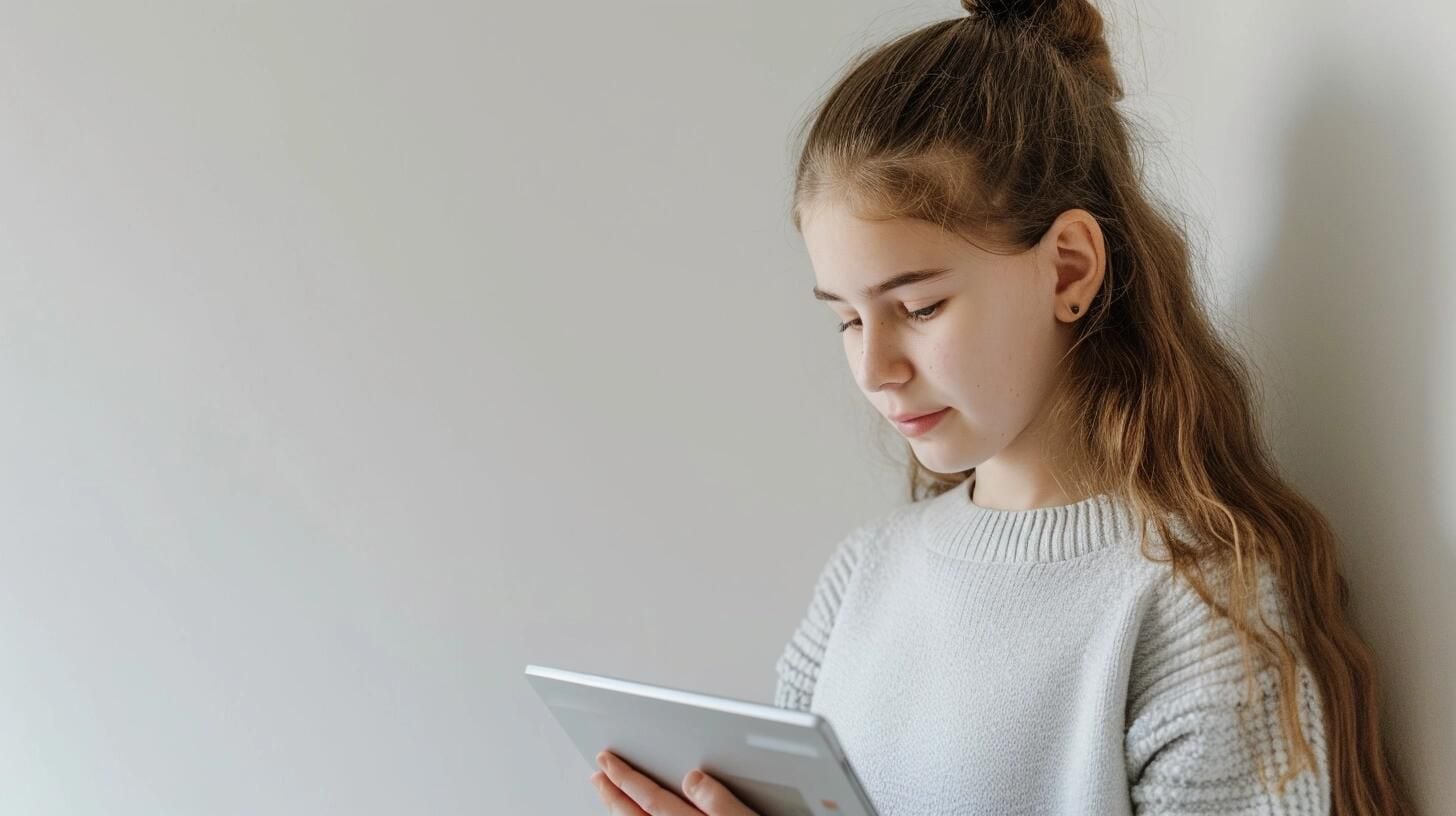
(919, 315)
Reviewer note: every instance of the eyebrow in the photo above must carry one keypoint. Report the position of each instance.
(902, 279)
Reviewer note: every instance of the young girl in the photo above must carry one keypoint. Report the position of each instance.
(1102, 597)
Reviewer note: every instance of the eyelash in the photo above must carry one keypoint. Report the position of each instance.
(916, 315)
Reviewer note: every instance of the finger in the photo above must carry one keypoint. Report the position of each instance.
(618, 803)
(650, 796)
(713, 797)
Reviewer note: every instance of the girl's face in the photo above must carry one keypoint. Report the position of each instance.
(981, 339)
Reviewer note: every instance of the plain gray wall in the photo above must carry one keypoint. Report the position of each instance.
(355, 355)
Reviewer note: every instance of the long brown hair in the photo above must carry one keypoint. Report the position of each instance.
(990, 126)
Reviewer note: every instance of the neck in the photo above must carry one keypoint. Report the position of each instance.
(998, 486)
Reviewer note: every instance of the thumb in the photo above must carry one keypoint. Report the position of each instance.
(712, 797)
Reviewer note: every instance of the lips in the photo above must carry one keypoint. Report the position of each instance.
(906, 417)
(921, 424)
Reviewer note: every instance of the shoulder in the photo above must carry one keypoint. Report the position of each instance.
(1185, 630)
(1174, 605)
(867, 538)
(1186, 641)
(858, 548)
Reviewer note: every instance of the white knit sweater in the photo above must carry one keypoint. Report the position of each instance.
(982, 661)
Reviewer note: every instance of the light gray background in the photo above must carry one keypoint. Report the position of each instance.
(356, 354)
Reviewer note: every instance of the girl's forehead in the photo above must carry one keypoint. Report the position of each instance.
(841, 238)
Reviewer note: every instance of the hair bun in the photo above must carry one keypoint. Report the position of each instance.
(1005, 11)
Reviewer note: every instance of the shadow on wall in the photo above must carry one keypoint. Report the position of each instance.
(1349, 307)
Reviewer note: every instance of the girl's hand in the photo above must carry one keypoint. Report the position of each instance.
(628, 792)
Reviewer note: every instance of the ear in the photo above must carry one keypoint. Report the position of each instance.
(1073, 250)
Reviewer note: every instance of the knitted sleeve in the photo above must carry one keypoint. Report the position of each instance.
(798, 665)
(1186, 752)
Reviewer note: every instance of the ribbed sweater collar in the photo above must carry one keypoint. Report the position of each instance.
(955, 526)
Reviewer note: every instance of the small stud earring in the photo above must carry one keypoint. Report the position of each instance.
(1075, 308)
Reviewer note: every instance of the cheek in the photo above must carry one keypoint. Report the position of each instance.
(947, 362)
(962, 357)
(989, 369)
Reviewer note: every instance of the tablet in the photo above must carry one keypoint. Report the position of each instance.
(777, 761)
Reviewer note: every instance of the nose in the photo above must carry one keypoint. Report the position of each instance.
(881, 361)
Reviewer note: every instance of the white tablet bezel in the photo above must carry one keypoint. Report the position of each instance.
(755, 749)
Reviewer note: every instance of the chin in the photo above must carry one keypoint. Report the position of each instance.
(937, 461)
